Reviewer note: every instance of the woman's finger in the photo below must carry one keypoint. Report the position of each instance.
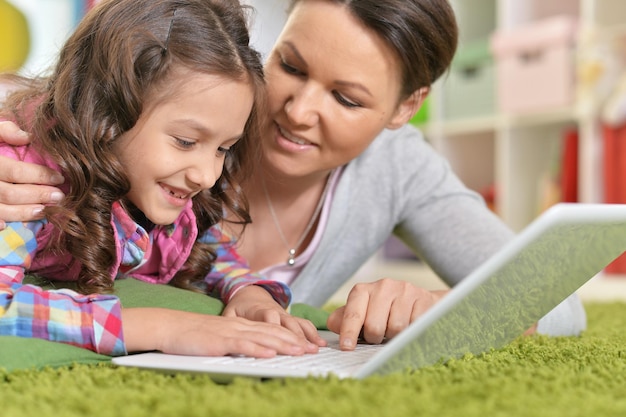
(10, 133)
(19, 172)
(353, 317)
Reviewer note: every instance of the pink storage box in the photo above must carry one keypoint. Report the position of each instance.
(535, 65)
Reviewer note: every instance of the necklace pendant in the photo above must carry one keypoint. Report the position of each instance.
(291, 261)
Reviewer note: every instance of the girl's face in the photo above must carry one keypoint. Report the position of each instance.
(178, 146)
(333, 87)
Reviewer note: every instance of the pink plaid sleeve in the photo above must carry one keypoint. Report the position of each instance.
(88, 321)
(231, 272)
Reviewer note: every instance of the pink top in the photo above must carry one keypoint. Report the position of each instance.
(287, 274)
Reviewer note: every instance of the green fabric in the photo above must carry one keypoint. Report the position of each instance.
(533, 376)
(24, 353)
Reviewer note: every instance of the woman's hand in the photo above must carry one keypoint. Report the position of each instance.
(20, 198)
(184, 333)
(255, 303)
(379, 310)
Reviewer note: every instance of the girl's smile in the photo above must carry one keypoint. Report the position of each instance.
(176, 196)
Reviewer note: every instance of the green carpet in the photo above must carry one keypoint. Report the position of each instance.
(534, 376)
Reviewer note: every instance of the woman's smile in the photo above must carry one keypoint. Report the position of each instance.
(289, 142)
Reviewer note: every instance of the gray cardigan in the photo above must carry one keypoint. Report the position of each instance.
(401, 185)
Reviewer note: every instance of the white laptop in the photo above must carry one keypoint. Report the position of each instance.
(548, 261)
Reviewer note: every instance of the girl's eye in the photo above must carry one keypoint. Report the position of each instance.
(222, 151)
(185, 144)
(344, 101)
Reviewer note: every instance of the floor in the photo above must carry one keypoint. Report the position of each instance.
(602, 288)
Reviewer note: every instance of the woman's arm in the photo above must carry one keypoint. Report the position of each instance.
(419, 197)
(20, 198)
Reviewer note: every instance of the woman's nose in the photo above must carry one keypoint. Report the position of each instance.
(302, 107)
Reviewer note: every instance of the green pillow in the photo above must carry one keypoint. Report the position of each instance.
(27, 353)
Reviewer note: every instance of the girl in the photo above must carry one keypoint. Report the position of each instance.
(341, 169)
(150, 115)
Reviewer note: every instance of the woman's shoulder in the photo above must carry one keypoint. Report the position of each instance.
(405, 132)
(398, 150)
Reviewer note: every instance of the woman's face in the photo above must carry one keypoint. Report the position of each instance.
(333, 86)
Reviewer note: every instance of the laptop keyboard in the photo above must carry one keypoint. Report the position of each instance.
(328, 359)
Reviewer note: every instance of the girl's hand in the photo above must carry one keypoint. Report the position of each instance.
(254, 303)
(379, 310)
(20, 198)
(183, 333)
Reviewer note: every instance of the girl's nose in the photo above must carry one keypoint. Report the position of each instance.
(205, 172)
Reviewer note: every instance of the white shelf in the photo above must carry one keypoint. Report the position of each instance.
(462, 127)
(519, 143)
(556, 116)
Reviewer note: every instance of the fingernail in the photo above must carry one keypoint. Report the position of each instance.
(22, 134)
(57, 178)
(56, 196)
(297, 350)
(347, 343)
(37, 211)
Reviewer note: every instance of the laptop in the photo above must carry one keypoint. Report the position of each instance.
(549, 260)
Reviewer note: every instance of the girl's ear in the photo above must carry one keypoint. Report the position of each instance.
(407, 108)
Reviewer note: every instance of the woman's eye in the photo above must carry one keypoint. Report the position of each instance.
(344, 101)
(290, 69)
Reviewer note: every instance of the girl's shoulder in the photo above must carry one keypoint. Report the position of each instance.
(27, 153)
(30, 153)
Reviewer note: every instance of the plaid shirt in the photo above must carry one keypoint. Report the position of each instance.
(88, 321)
(93, 321)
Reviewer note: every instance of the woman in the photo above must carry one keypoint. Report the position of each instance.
(341, 170)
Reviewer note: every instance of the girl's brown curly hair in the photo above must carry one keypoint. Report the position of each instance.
(121, 53)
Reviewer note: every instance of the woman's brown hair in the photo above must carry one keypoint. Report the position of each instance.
(121, 54)
(423, 34)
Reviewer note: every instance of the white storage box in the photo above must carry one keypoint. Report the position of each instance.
(469, 86)
(535, 65)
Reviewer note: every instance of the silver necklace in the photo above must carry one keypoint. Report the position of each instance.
(291, 259)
